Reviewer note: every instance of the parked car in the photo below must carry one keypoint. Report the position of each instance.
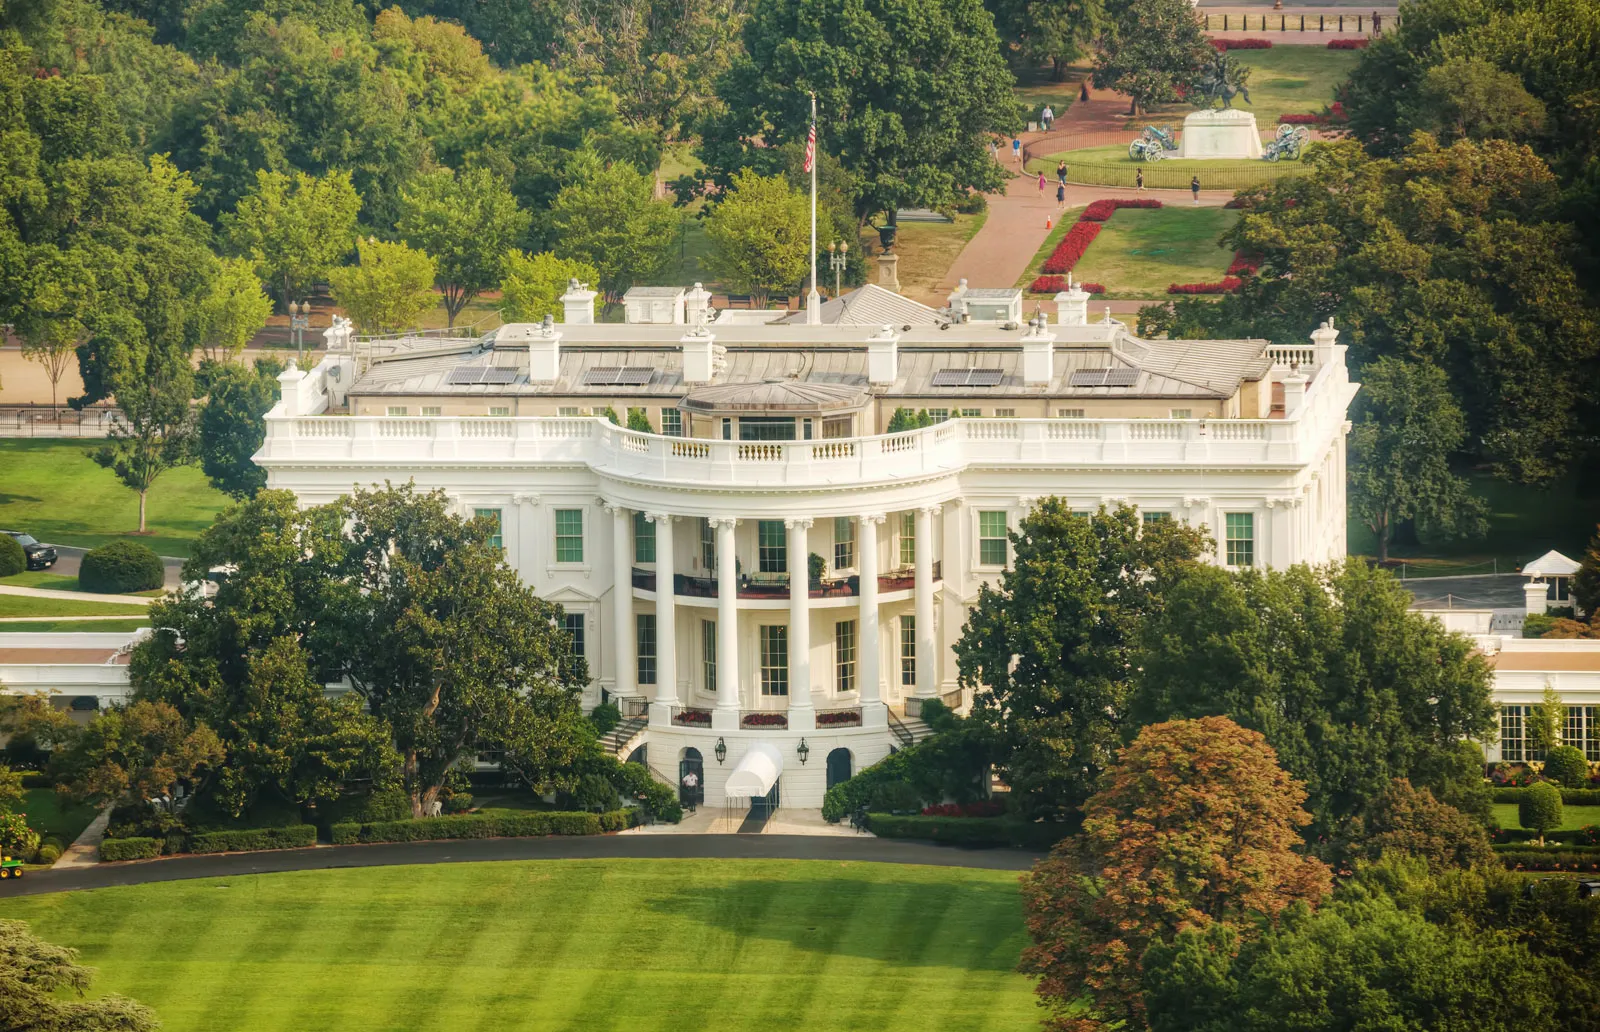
(40, 556)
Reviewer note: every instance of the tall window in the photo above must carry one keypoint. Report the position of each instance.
(772, 546)
(908, 539)
(1591, 744)
(647, 647)
(708, 653)
(1513, 748)
(644, 539)
(908, 650)
(708, 545)
(844, 542)
(1241, 538)
(671, 422)
(992, 538)
(574, 624)
(569, 535)
(492, 515)
(939, 415)
(774, 659)
(844, 655)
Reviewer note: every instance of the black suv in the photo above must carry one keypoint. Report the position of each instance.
(40, 557)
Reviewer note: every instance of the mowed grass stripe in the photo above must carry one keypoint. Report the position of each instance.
(561, 945)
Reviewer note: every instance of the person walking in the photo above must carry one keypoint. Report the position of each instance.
(1046, 117)
(1138, 180)
(1061, 195)
(1194, 188)
(1061, 172)
(1083, 90)
(1041, 182)
(1016, 150)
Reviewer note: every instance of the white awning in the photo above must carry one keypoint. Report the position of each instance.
(756, 772)
(1551, 564)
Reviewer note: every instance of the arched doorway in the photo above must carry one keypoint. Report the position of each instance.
(691, 778)
(640, 755)
(839, 768)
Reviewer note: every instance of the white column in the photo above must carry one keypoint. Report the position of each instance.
(622, 600)
(666, 621)
(927, 664)
(869, 666)
(726, 715)
(802, 716)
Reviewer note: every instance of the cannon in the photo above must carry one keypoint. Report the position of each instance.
(1289, 143)
(1152, 144)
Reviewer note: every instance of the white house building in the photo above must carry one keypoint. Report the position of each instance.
(681, 555)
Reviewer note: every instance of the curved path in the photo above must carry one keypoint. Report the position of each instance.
(600, 847)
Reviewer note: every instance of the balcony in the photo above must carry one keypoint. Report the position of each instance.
(776, 586)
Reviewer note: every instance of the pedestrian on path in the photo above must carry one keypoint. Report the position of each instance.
(1061, 172)
(1138, 180)
(994, 148)
(1016, 150)
(1083, 90)
(1194, 188)
(1061, 195)
(1047, 116)
(1041, 182)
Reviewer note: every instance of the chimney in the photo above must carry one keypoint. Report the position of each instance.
(1294, 391)
(289, 390)
(957, 302)
(697, 306)
(703, 359)
(578, 304)
(1324, 342)
(883, 356)
(544, 352)
(1038, 353)
(1072, 305)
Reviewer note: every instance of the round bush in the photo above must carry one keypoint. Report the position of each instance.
(1540, 808)
(120, 567)
(48, 854)
(1567, 765)
(605, 717)
(12, 558)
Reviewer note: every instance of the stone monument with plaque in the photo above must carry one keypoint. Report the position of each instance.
(1224, 132)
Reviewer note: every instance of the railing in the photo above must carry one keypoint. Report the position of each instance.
(1285, 355)
(633, 706)
(849, 716)
(756, 719)
(691, 716)
(900, 731)
(905, 578)
(955, 699)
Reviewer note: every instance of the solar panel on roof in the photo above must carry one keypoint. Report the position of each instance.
(635, 375)
(469, 374)
(1088, 378)
(1123, 377)
(983, 378)
(601, 376)
(967, 378)
(949, 377)
(499, 374)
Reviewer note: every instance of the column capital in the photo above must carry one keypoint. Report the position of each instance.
(659, 517)
(1196, 501)
(723, 521)
(799, 522)
(872, 517)
(612, 507)
(931, 510)
(1027, 501)
(524, 498)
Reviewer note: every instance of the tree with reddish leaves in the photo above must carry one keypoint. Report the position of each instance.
(1195, 824)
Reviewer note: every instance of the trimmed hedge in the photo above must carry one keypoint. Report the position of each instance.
(1588, 835)
(1569, 796)
(13, 557)
(118, 567)
(130, 848)
(533, 824)
(969, 831)
(1550, 859)
(296, 836)
(1348, 44)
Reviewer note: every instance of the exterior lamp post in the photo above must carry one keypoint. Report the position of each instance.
(299, 322)
(721, 751)
(836, 262)
(803, 751)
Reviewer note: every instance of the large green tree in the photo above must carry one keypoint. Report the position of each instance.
(1048, 651)
(531, 285)
(294, 229)
(232, 311)
(1053, 32)
(760, 235)
(608, 217)
(466, 222)
(232, 424)
(1407, 429)
(156, 433)
(1149, 51)
(47, 989)
(908, 91)
(389, 290)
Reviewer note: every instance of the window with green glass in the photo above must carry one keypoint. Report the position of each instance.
(844, 655)
(671, 422)
(908, 650)
(569, 535)
(908, 539)
(645, 638)
(772, 546)
(775, 659)
(1241, 538)
(708, 545)
(708, 653)
(1156, 517)
(844, 542)
(492, 515)
(644, 539)
(992, 538)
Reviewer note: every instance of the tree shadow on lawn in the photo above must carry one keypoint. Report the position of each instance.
(17, 499)
(901, 924)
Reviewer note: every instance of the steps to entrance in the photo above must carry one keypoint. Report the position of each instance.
(621, 736)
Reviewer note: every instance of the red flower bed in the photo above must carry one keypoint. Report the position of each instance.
(1228, 285)
(987, 808)
(1099, 211)
(1056, 284)
(1237, 202)
(765, 720)
(1336, 112)
(1348, 44)
(1244, 264)
(692, 718)
(1072, 246)
(838, 718)
(1242, 44)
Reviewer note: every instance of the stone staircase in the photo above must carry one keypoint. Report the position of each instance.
(908, 731)
(618, 739)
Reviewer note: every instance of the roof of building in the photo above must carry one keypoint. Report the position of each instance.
(29, 656)
(775, 395)
(653, 292)
(1551, 564)
(871, 305)
(1536, 662)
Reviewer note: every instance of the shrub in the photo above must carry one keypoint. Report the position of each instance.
(458, 802)
(391, 804)
(1242, 44)
(1549, 860)
(1245, 264)
(1566, 766)
(245, 840)
(969, 831)
(532, 824)
(118, 567)
(1072, 246)
(1239, 201)
(895, 795)
(1228, 285)
(1300, 118)
(605, 717)
(1570, 796)
(12, 558)
(972, 204)
(1539, 809)
(1348, 44)
(1518, 836)
(48, 854)
(987, 808)
(948, 766)
(130, 848)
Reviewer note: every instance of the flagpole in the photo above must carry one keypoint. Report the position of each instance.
(814, 300)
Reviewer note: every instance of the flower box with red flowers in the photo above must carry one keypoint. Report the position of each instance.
(1099, 211)
(692, 718)
(765, 720)
(839, 718)
(1071, 248)
(1245, 264)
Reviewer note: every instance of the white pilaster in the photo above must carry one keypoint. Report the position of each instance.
(927, 662)
(666, 621)
(726, 715)
(622, 600)
(869, 665)
(802, 716)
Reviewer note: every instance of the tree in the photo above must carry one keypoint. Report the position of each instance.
(908, 92)
(466, 222)
(46, 989)
(905, 419)
(1048, 653)
(531, 285)
(232, 425)
(158, 435)
(1194, 824)
(1547, 719)
(59, 292)
(1469, 98)
(1349, 685)
(232, 311)
(1055, 31)
(639, 420)
(1407, 428)
(139, 753)
(294, 229)
(389, 290)
(1566, 766)
(1539, 808)
(760, 235)
(1411, 822)
(608, 217)
(1149, 49)
(1586, 582)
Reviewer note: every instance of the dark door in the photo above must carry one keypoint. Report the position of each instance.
(691, 794)
(838, 766)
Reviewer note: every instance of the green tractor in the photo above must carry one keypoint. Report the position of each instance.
(10, 868)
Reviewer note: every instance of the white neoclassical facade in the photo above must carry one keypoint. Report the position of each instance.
(768, 564)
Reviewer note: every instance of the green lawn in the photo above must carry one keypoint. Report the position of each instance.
(1036, 87)
(1140, 251)
(631, 945)
(25, 605)
(1110, 165)
(926, 250)
(54, 491)
(1283, 79)
(48, 816)
(1571, 816)
(70, 626)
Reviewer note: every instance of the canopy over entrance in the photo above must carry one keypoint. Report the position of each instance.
(756, 772)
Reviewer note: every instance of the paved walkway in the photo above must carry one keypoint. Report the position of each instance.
(719, 820)
(84, 852)
(858, 849)
(74, 596)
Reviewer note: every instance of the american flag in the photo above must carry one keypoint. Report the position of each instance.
(811, 147)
